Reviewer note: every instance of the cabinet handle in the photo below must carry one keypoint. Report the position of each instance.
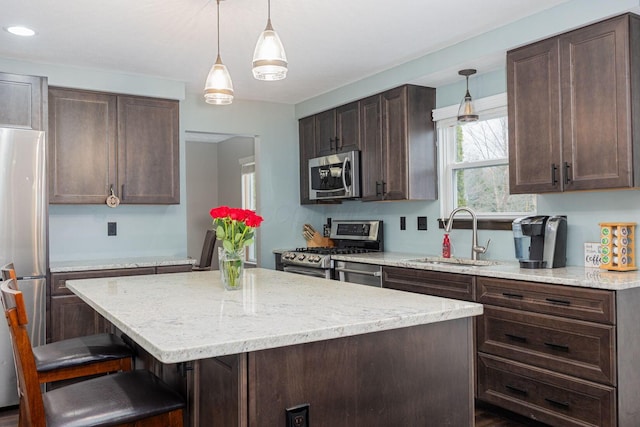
(554, 179)
(337, 140)
(563, 405)
(558, 301)
(516, 338)
(560, 347)
(567, 167)
(330, 143)
(516, 390)
(510, 295)
(384, 188)
(122, 191)
(378, 184)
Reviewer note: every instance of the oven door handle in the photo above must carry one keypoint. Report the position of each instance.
(316, 272)
(364, 273)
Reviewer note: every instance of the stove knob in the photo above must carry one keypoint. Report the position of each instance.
(301, 257)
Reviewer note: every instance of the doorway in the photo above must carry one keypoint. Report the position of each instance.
(214, 165)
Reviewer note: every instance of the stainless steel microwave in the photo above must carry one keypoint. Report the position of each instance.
(336, 176)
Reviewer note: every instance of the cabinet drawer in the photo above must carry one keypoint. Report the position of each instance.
(59, 280)
(567, 301)
(181, 268)
(447, 285)
(574, 347)
(555, 399)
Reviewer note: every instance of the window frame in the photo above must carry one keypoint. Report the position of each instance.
(446, 119)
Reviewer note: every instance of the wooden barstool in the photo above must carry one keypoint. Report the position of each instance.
(77, 357)
(135, 398)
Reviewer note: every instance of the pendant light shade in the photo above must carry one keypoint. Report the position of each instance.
(466, 112)
(218, 89)
(269, 58)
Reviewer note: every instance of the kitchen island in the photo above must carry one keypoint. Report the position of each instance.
(359, 356)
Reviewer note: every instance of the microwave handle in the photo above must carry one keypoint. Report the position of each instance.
(347, 189)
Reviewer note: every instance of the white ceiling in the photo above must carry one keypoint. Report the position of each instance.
(329, 43)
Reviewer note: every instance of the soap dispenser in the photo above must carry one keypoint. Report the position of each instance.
(446, 246)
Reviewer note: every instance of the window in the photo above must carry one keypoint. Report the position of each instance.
(474, 161)
(248, 167)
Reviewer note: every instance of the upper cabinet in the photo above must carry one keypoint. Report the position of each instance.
(23, 101)
(102, 144)
(398, 145)
(572, 101)
(395, 135)
(306, 129)
(338, 130)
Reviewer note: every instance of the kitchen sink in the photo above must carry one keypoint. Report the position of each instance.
(454, 261)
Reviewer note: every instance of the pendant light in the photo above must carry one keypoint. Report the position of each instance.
(466, 112)
(269, 59)
(218, 88)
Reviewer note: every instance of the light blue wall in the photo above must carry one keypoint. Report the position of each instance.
(584, 210)
(79, 232)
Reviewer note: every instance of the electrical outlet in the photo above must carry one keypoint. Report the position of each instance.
(422, 223)
(112, 229)
(403, 223)
(298, 416)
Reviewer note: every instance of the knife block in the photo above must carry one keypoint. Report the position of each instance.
(320, 242)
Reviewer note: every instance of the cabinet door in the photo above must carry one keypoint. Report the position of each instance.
(82, 146)
(71, 317)
(306, 135)
(394, 144)
(326, 133)
(596, 106)
(148, 150)
(23, 101)
(68, 315)
(348, 127)
(533, 89)
(371, 144)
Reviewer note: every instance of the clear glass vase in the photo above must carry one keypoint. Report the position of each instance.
(231, 268)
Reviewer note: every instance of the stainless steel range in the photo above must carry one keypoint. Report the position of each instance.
(349, 236)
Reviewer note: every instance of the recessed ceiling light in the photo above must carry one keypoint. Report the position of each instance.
(20, 31)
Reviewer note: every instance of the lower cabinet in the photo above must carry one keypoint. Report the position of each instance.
(556, 368)
(69, 317)
(436, 283)
(544, 395)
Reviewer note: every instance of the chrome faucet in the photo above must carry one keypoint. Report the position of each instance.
(475, 249)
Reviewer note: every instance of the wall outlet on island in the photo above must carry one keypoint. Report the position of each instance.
(298, 416)
(403, 223)
(112, 229)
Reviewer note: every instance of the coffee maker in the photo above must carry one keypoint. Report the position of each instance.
(547, 238)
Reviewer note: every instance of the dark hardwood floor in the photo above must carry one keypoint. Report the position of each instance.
(485, 417)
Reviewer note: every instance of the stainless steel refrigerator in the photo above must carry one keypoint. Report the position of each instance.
(23, 237)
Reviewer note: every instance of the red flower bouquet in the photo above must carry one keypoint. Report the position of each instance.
(235, 227)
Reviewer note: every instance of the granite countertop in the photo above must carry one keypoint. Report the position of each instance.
(188, 316)
(570, 276)
(115, 263)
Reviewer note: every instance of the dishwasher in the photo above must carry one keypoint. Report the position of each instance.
(360, 273)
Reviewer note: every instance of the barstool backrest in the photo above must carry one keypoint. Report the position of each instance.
(31, 405)
(8, 272)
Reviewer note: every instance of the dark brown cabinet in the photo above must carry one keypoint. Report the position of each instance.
(548, 352)
(69, 317)
(395, 135)
(398, 145)
(338, 130)
(306, 135)
(101, 143)
(436, 283)
(23, 101)
(572, 102)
